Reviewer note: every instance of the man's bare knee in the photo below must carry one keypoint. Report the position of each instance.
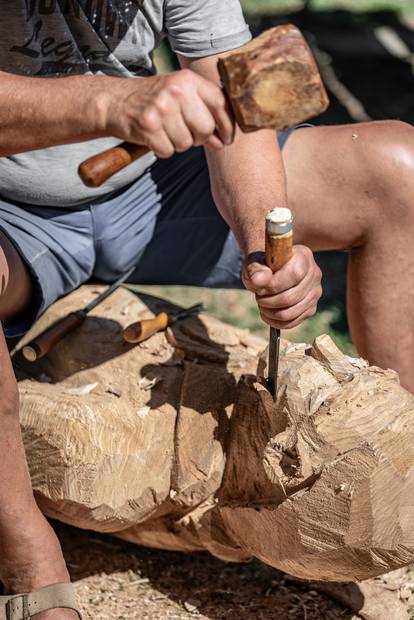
(389, 167)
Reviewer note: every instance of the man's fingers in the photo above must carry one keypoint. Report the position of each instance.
(216, 102)
(292, 296)
(300, 267)
(256, 277)
(199, 120)
(295, 323)
(178, 133)
(286, 315)
(214, 143)
(291, 275)
(160, 143)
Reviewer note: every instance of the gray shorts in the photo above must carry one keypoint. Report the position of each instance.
(165, 223)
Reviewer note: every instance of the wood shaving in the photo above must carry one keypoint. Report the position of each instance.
(146, 384)
(81, 390)
(143, 412)
(191, 607)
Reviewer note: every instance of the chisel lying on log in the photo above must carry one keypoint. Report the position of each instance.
(142, 330)
(42, 344)
(272, 82)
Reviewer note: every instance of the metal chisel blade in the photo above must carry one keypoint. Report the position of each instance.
(274, 350)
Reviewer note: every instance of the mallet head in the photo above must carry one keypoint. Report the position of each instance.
(273, 81)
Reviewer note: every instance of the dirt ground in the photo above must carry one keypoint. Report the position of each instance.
(120, 581)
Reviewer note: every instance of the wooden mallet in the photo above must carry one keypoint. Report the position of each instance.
(272, 82)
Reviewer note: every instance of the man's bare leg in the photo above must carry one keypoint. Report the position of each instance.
(353, 187)
(30, 554)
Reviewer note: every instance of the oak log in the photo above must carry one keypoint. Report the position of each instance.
(176, 444)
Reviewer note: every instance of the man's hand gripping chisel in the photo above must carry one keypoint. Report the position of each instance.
(40, 346)
(279, 243)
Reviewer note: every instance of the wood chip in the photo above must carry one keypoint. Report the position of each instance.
(146, 384)
(96, 599)
(81, 390)
(143, 412)
(192, 606)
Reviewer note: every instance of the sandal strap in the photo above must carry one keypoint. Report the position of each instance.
(24, 606)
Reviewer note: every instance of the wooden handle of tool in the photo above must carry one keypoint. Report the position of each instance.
(40, 346)
(142, 330)
(278, 250)
(99, 168)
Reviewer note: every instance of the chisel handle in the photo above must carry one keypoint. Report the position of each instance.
(99, 168)
(142, 330)
(40, 346)
(279, 250)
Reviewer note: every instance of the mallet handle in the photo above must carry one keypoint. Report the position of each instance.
(40, 346)
(99, 168)
(142, 330)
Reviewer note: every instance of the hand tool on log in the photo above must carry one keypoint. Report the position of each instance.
(142, 330)
(44, 342)
(272, 82)
(279, 243)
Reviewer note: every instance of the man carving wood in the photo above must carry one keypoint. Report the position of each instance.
(180, 217)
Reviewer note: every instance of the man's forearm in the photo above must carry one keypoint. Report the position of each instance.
(40, 112)
(248, 180)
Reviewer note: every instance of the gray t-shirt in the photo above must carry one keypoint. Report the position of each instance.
(52, 38)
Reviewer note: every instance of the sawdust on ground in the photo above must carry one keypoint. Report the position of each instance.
(117, 580)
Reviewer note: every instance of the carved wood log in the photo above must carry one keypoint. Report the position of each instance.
(176, 444)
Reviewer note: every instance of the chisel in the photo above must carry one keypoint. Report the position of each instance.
(144, 329)
(279, 243)
(44, 342)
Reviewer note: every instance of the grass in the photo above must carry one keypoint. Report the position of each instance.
(239, 308)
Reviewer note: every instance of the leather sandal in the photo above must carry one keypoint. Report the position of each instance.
(24, 606)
